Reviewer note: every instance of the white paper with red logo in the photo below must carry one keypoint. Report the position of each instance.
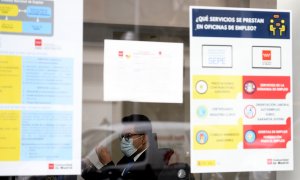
(142, 71)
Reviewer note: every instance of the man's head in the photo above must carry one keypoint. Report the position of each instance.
(140, 123)
(134, 138)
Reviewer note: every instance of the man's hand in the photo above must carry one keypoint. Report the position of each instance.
(103, 155)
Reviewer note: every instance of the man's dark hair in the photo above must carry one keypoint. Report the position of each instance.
(141, 122)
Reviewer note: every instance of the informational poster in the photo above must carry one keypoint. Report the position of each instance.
(241, 90)
(143, 71)
(40, 87)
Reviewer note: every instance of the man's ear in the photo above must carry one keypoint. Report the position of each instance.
(145, 138)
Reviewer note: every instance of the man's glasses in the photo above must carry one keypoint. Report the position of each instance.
(128, 136)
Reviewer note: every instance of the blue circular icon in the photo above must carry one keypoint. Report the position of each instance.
(250, 136)
(201, 137)
(202, 111)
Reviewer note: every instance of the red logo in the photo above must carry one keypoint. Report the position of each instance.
(269, 161)
(51, 166)
(266, 55)
(38, 42)
(120, 53)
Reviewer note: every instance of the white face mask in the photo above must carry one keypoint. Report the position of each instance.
(127, 147)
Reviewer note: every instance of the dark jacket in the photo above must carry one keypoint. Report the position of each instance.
(146, 167)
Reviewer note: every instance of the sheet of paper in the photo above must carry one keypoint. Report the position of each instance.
(40, 87)
(143, 71)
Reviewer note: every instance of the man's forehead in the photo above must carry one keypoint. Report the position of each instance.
(128, 128)
(134, 127)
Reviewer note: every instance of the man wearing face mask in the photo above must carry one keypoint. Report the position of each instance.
(141, 158)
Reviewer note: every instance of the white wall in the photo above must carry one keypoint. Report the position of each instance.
(294, 5)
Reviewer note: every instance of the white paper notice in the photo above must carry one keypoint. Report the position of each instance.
(143, 71)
